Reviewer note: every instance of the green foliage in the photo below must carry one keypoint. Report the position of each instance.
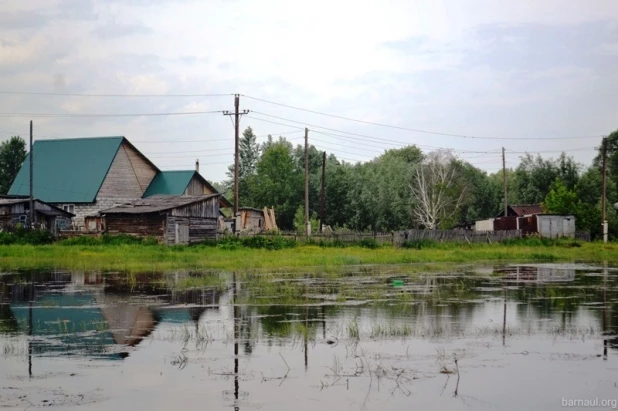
(106, 239)
(22, 235)
(268, 242)
(561, 200)
(12, 155)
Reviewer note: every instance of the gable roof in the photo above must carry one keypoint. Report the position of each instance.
(57, 211)
(526, 209)
(157, 203)
(175, 183)
(522, 210)
(67, 170)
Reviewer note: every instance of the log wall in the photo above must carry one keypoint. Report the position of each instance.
(145, 225)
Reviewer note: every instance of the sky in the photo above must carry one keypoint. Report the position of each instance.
(534, 76)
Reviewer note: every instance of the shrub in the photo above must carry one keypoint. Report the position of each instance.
(22, 235)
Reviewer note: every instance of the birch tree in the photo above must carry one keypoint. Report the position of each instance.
(436, 189)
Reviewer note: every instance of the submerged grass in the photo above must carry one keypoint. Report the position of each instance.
(144, 258)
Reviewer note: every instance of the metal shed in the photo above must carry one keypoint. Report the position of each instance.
(170, 219)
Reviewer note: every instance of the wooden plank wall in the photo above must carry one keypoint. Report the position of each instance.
(200, 228)
(147, 225)
(128, 177)
(208, 208)
(197, 188)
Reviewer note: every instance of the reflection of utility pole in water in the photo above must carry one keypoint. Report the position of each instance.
(306, 337)
(236, 337)
(323, 322)
(604, 310)
(504, 316)
(30, 325)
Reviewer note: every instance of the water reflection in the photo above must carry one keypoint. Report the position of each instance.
(267, 327)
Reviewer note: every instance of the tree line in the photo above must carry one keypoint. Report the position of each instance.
(401, 188)
(406, 188)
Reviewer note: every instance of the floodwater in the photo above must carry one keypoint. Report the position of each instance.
(467, 337)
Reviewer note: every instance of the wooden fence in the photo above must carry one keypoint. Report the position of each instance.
(456, 236)
(397, 238)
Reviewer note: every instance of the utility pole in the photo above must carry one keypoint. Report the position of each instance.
(31, 180)
(236, 115)
(506, 201)
(307, 221)
(603, 195)
(322, 191)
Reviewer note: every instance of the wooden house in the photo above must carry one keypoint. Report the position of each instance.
(86, 175)
(16, 210)
(170, 219)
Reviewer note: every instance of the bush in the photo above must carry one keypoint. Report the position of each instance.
(22, 235)
(274, 242)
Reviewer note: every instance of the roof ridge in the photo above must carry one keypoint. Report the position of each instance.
(80, 138)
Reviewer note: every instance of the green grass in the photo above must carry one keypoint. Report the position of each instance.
(156, 258)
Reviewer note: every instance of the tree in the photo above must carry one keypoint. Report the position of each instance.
(12, 156)
(437, 190)
(561, 200)
(248, 156)
(279, 183)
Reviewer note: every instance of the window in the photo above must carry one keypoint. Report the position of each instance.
(70, 208)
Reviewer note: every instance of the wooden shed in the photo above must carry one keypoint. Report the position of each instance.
(16, 210)
(251, 220)
(170, 219)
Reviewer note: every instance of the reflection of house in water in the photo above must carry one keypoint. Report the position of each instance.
(538, 274)
(93, 314)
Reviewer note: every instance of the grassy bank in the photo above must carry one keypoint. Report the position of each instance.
(142, 258)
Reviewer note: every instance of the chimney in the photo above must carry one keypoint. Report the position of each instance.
(197, 165)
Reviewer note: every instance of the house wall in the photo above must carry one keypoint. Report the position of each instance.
(505, 223)
(144, 225)
(252, 221)
(199, 229)
(197, 188)
(128, 177)
(528, 225)
(86, 209)
(556, 226)
(208, 208)
(484, 225)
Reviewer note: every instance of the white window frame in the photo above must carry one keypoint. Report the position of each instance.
(70, 208)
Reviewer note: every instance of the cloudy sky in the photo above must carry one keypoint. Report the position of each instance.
(519, 72)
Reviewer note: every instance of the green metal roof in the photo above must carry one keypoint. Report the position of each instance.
(172, 183)
(67, 170)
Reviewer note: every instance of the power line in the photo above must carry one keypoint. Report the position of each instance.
(408, 128)
(64, 115)
(372, 138)
(32, 93)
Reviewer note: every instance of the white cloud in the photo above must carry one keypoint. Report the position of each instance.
(419, 64)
